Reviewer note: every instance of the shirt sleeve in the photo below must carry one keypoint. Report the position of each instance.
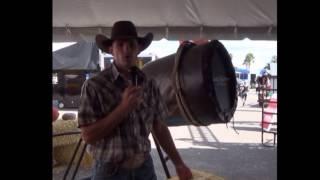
(88, 105)
(161, 108)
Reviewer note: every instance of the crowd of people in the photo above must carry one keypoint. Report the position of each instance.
(263, 88)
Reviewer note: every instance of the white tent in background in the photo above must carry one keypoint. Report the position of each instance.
(75, 20)
(80, 56)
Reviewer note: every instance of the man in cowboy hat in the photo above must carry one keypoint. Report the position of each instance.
(119, 108)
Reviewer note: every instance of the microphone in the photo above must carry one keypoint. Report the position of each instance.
(134, 75)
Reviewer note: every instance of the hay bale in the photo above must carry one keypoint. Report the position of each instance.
(61, 127)
(63, 155)
(64, 146)
(200, 175)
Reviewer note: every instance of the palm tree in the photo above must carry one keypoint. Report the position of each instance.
(248, 60)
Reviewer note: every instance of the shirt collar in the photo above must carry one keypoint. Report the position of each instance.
(115, 72)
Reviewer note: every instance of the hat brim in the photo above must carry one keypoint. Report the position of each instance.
(105, 43)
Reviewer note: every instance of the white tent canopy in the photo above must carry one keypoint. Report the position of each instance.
(80, 56)
(75, 20)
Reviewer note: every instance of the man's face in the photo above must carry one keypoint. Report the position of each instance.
(125, 52)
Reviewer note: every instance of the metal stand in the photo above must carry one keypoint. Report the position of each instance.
(263, 101)
(163, 160)
(74, 154)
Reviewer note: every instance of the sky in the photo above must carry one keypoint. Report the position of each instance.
(261, 50)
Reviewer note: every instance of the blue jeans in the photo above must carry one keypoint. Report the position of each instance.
(107, 171)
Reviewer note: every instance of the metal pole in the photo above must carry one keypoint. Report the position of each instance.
(164, 165)
(262, 122)
(79, 161)
(72, 159)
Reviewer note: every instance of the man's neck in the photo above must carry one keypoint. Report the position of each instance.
(124, 72)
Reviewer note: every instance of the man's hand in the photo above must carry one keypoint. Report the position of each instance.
(131, 97)
(162, 134)
(183, 172)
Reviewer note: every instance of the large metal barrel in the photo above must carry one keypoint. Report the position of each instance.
(198, 84)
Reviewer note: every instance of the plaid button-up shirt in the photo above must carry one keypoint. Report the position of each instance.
(101, 95)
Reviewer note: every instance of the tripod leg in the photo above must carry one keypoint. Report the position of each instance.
(72, 159)
(79, 161)
(164, 165)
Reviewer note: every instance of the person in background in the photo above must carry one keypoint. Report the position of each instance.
(244, 88)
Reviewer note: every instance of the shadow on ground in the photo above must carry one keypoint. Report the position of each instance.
(232, 161)
(228, 160)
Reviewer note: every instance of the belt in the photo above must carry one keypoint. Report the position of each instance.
(135, 161)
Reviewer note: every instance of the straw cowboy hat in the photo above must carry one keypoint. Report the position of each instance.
(123, 30)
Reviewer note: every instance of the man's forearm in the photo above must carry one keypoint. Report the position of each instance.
(103, 127)
(163, 135)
